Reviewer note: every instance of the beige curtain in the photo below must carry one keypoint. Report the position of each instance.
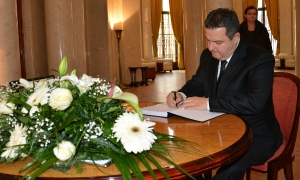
(250, 3)
(272, 12)
(177, 25)
(156, 10)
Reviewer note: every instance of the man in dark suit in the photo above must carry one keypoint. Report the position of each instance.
(245, 89)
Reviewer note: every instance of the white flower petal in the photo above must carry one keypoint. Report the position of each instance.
(26, 84)
(6, 108)
(40, 96)
(85, 83)
(17, 137)
(33, 110)
(126, 96)
(60, 99)
(42, 83)
(135, 135)
(64, 150)
(72, 78)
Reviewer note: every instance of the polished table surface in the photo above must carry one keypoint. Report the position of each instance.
(223, 139)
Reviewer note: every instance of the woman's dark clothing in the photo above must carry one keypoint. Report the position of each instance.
(259, 36)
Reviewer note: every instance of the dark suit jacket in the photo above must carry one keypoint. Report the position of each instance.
(244, 90)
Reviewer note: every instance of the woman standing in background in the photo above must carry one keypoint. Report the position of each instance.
(253, 31)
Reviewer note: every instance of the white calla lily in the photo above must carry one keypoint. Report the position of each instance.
(126, 97)
(26, 84)
(130, 98)
(72, 78)
(42, 83)
(6, 108)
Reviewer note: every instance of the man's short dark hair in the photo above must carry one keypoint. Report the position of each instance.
(223, 17)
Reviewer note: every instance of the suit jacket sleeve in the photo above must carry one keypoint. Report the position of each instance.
(195, 86)
(246, 86)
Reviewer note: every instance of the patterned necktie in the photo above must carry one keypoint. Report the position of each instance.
(222, 69)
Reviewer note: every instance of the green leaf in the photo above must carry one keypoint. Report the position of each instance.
(133, 165)
(156, 164)
(121, 165)
(111, 109)
(24, 119)
(146, 164)
(40, 164)
(54, 70)
(74, 71)
(172, 163)
(69, 117)
(130, 99)
(137, 108)
(36, 160)
(45, 165)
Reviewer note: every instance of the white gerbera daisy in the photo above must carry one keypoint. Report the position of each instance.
(17, 137)
(135, 135)
(41, 96)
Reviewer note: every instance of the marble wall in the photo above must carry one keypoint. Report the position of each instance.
(34, 38)
(296, 27)
(193, 35)
(10, 67)
(98, 37)
(286, 24)
(132, 38)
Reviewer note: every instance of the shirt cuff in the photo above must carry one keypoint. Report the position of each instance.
(208, 108)
(183, 95)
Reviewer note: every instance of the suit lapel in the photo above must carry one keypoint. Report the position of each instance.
(233, 67)
(213, 75)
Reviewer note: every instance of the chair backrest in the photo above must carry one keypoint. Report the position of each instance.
(286, 99)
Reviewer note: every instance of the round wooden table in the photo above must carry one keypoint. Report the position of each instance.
(223, 139)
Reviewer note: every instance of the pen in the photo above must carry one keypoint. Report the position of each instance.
(175, 97)
(179, 104)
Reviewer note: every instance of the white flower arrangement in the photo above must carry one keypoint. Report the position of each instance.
(78, 119)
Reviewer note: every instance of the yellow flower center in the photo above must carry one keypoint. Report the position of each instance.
(135, 129)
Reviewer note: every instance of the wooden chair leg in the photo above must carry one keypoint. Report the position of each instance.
(208, 175)
(272, 174)
(288, 172)
(248, 173)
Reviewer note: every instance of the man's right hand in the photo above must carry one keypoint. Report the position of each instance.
(171, 101)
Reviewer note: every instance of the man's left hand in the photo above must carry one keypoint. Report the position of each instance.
(195, 103)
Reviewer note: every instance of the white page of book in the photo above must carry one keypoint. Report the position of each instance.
(163, 110)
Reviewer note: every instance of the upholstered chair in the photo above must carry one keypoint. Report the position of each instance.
(286, 98)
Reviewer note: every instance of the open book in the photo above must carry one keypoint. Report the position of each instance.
(163, 110)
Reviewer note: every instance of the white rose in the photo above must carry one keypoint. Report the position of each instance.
(60, 99)
(64, 150)
(6, 108)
